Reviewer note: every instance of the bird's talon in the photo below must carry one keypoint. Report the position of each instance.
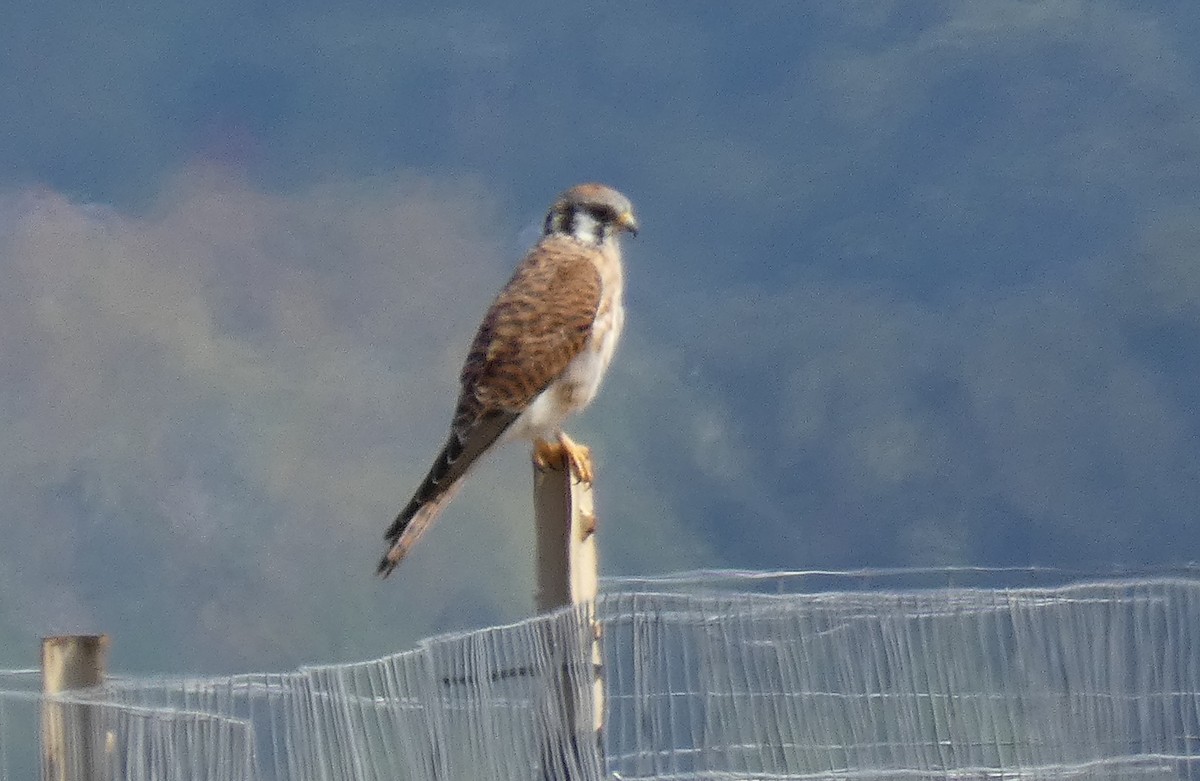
(578, 459)
(546, 455)
(565, 454)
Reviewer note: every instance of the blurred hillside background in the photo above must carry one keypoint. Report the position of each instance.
(918, 284)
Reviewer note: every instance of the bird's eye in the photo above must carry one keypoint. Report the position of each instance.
(603, 213)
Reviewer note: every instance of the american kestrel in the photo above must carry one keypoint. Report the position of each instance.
(538, 356)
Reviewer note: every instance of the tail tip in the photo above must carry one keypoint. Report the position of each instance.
(389, 561)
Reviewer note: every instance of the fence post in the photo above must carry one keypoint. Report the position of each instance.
(568, 574)
(70, 662)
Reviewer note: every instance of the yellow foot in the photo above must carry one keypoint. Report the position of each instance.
(546, 455)
(565, 452)
(578, 458)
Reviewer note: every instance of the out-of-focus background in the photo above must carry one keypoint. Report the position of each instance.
(918, 283)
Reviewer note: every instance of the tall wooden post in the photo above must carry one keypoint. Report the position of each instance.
(69, 750)
(568, 574)
(567, 560)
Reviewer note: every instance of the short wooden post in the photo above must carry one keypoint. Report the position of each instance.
(70, 662)
(568, 574)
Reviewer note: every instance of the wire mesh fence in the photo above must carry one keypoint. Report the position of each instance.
(116, 740)
(937, 682)
(946, 675)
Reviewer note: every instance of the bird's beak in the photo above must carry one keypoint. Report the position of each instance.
(628, 222)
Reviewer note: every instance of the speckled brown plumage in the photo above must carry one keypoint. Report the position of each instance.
(538, 323)
(538, 354)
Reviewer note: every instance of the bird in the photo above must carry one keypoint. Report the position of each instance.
(537, 358)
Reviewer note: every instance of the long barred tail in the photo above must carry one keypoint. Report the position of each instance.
(459, 454)
(408, 528)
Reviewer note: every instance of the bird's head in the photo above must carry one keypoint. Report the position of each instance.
(592, 213)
